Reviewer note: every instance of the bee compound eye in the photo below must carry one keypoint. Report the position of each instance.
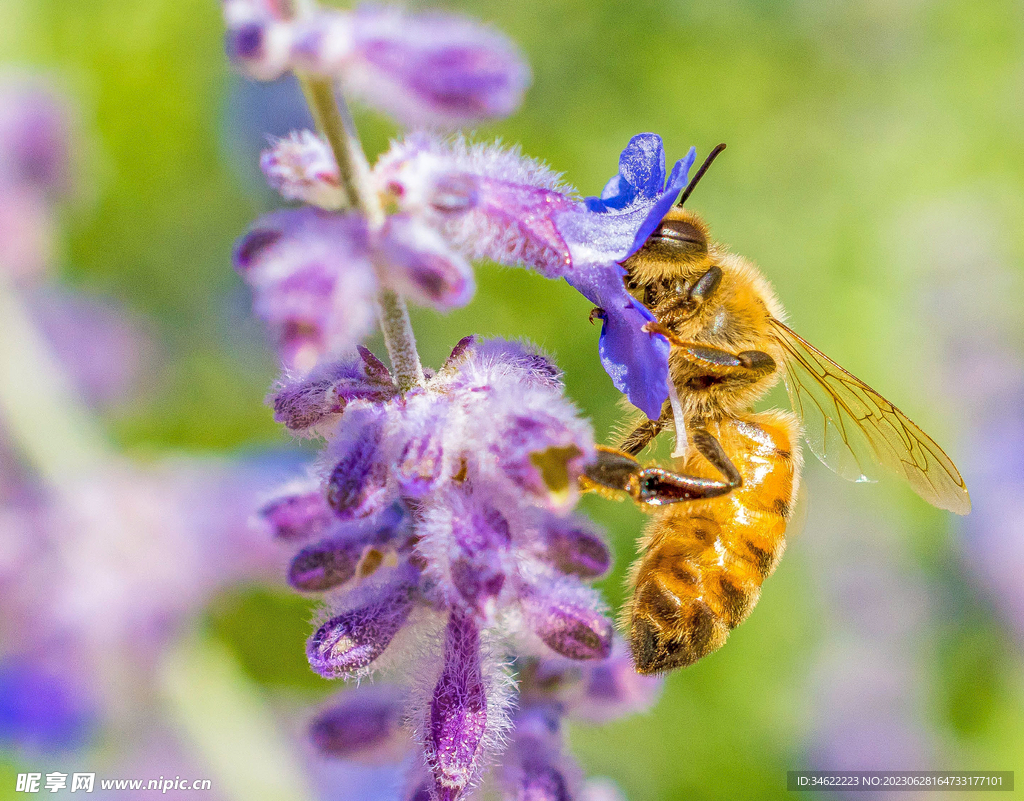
(682, 232)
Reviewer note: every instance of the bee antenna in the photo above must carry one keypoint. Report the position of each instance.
(700, 173)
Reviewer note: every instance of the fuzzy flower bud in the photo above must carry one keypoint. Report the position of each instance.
(349, 642)
(301, 167)
(324, 566)
(537, 771)
(458, 711)
(570, 626)
(575, 548)
(359, 484)
(314, 277)
(365, 724)
(299, 514)
(261, 48)
(352, 547)
(422, 266)
(308, 404)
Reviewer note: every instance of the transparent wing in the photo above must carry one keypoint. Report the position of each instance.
(851, 428)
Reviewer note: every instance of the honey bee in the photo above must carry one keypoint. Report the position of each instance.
(721, 514)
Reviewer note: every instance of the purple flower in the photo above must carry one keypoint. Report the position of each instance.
(569, 623)
(551, 690)
(630, 207)
(300, 512)
(312, 280)
(574, 547)
(422, 265)
(347, 643)
(315, 276)
(480, 468)
(458, 711)
(487, 201)
(496, 204)
(434, 69)
(364, 724)
(309, 404)
(368, 723)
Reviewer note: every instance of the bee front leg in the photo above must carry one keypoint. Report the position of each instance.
(653, 486)
(714, 365)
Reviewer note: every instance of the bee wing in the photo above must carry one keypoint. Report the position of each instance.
(851, 428)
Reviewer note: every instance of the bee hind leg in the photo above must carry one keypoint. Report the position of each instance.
(657, 487)
(654, 486)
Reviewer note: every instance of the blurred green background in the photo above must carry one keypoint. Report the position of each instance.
(850, 126)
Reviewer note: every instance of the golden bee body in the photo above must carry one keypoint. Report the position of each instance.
(720, 515)
(703, 562)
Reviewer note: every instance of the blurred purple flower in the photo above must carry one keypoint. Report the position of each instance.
(39, 709)
(981, 376)
(314, 277)
(433, 69)
(301, 167)
(312, 281)
(36, 135)
(107, 571)
(106, 351)
(870, 682)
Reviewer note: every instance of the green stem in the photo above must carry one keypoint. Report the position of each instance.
(332, 118)
(41, 410)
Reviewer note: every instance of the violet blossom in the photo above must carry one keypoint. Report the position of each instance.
(100, 568)
(494, 203)
(448, 510)
(981, 376)
(870, 681)
(36, 173)
(431, 69)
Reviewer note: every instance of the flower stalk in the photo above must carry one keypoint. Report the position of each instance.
(332, 118)
(38, 404)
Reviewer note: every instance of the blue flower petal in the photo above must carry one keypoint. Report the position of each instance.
(636, 361)
(39, 711)
(676, 184)
(642, 164)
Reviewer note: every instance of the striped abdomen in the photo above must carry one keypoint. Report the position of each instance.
(702, 562)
